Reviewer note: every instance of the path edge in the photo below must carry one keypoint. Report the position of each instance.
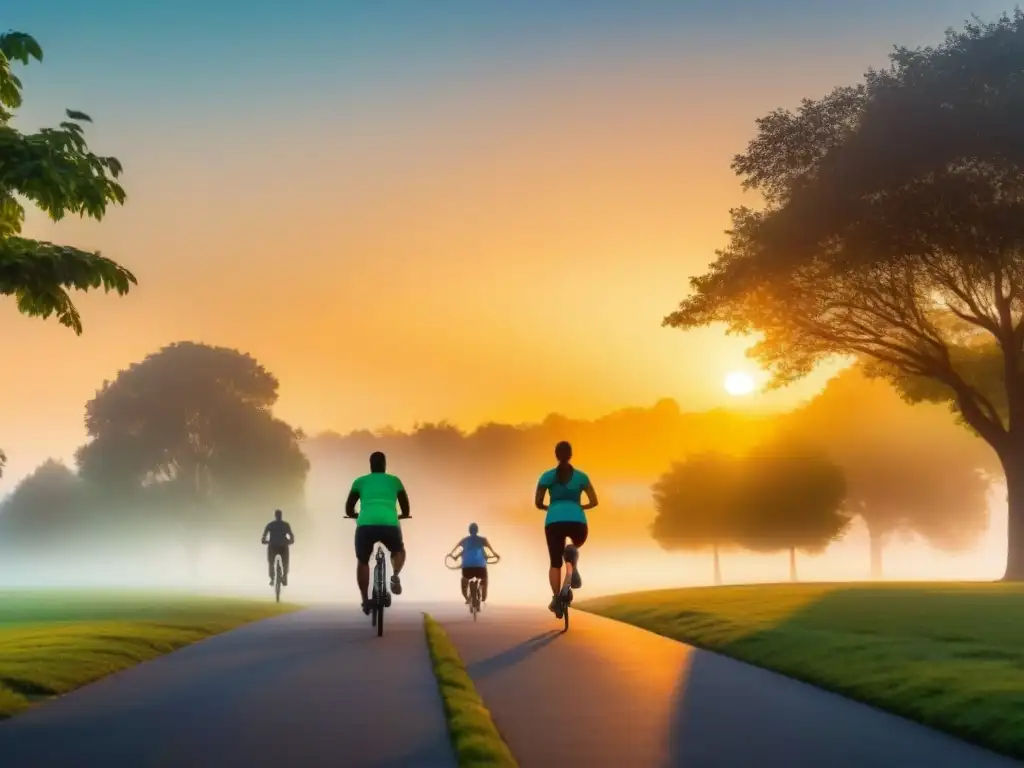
(475, 738)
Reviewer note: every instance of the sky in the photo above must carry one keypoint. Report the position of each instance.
(420, 211)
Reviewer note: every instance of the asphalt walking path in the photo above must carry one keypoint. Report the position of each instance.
(319, 688)
(610, 694)
(312, 688)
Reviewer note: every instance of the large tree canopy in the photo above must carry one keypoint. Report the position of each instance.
(194, 422)
(55, 170)
(893, 231)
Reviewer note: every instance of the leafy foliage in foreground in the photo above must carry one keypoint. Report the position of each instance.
(55, 170)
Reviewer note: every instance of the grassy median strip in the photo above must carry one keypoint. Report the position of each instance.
(52, 642)
(474, 736)
(947, 655)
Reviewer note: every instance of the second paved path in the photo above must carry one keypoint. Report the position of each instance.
(314, 688)
(609, 694)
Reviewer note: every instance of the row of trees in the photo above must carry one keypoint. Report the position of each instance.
(893, 232)
(886, 463)
(782, 496)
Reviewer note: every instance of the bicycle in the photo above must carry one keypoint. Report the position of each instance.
(564, 601)
(380, 596)
(278, 577)
(474, 583)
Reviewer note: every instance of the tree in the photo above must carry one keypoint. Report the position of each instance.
(791, 497)
(54, 169)
(892, 232)
(695, 504)
(42, 507)
(908, 468)
(193, 424)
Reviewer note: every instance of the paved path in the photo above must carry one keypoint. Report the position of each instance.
(608, 694)
(315, 688)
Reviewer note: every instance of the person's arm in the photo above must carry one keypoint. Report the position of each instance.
(588, 489)
(350, 502)
(266, 533)
(487, 545)
(542, 487)
(403, 501)
(288, 533)
(456, 551)
(539, 498)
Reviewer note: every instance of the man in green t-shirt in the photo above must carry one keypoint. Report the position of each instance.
(378, 495)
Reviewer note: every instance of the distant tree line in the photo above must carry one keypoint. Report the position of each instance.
(185, 443)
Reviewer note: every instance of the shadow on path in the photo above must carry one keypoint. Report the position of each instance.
(513, 655)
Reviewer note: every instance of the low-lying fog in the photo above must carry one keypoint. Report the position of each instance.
(619, 556)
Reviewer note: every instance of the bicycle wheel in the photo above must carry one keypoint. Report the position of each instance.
(380, 587)
(278, 574)
(474, 598)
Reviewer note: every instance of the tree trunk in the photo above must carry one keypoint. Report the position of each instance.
(877, 543)
(1013, 467)
(718, 568)
(792, 564)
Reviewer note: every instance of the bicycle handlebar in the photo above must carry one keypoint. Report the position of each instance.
(491, 560)
(356, 517)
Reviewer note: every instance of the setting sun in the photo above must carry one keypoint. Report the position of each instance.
(739, 383)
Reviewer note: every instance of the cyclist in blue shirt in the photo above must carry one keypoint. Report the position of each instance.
(566, 519)
(474, 552)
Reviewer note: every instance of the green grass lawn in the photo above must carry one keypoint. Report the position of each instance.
(948, 655)
(474, 736)
(52, 642)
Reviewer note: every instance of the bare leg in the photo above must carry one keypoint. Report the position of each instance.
(568, 577)
(483, 590)
(555, 578)
(397, 562)
(465, 589)
(363, 580)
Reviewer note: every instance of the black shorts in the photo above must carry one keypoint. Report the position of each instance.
(557, 533)
(273, 550)
(369, 535)
(475, 573)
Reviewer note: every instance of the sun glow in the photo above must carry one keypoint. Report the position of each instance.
(738, 384)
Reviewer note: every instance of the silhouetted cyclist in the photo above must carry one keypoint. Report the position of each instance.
(566, 519)
(278, 537)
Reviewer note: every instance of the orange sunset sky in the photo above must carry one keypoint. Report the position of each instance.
(488, 223)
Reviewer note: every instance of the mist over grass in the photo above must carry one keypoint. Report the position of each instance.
(618, 556)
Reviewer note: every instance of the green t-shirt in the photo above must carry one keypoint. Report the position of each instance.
(378, 498)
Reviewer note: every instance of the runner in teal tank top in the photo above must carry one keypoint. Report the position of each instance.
(566, 519)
